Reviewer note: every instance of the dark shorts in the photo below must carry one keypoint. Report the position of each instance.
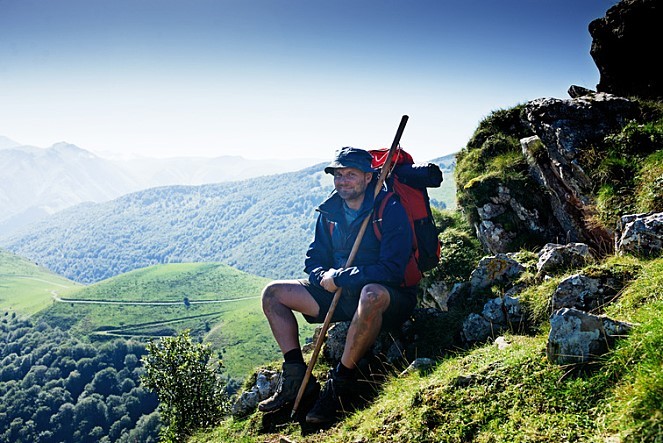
(402, 302)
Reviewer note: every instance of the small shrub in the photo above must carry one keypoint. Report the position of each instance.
(460, 253)
(190, 389)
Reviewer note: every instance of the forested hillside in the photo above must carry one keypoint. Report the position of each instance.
(54, 387)
(38, 182)
(262, 226)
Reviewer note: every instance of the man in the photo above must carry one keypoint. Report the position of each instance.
(373, 296)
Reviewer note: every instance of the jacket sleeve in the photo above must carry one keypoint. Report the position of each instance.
(395, 250)
(319, 257)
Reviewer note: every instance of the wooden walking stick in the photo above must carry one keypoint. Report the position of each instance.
(384, 171)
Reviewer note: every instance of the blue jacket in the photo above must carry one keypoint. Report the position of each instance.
(376, 261)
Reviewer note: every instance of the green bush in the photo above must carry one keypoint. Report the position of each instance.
(190, 388)
(627, 169)
(460, 249)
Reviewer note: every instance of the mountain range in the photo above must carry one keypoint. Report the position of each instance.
(89, 218)
(260, 225)
(38, 182)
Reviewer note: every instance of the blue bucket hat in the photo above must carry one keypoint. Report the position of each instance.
(349, 157)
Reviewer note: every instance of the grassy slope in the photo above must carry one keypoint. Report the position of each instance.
(489, 394)
(236, 328)
(25, 287)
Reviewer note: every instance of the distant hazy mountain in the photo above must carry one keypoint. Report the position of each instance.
(36, 182)
(7, 143)
(151, 172)
(446, 163)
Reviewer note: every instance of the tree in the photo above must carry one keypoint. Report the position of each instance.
(89, 413)
(190, 388)
(105, 382)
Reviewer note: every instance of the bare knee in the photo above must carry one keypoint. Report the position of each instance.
(374, 298)
(289, 295)
(270, 295)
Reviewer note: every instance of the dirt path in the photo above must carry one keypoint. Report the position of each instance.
(57, 298)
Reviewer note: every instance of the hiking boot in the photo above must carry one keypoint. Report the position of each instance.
(330, 404)
(290, 380)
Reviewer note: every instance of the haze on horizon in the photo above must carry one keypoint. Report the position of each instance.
(277, 78)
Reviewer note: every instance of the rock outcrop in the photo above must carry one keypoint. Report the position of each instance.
(563, 129)
(553, 200)
(640, 234)
(624, 47)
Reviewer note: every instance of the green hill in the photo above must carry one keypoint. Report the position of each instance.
(25, 287)
(219, 304)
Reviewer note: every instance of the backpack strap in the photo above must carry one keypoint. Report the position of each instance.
(377, 216)
(412, 273)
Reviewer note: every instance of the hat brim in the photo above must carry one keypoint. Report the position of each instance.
(338, 165)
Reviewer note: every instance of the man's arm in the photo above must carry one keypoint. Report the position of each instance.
(319, 257)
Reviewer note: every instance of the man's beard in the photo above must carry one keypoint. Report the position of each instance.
(350, 194)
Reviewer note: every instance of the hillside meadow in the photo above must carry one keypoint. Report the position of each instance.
(217, 303)
(27, 288)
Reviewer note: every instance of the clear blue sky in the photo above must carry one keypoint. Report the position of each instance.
(293, 78)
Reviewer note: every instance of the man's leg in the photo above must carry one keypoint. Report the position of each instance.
(364, 329)
(279, 300)
(366, 323)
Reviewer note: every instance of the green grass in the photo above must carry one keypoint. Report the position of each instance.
(487, 394)
(173, 282)
(236, 326)
(649, 188)
(25, 287)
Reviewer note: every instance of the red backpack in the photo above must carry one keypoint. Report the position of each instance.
(409, 182)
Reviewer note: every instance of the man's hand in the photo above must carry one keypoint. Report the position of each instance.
(327, 281)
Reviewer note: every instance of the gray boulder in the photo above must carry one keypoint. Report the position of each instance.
(578, 337)
(640, 234)
(500, 269)
(555, 257)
